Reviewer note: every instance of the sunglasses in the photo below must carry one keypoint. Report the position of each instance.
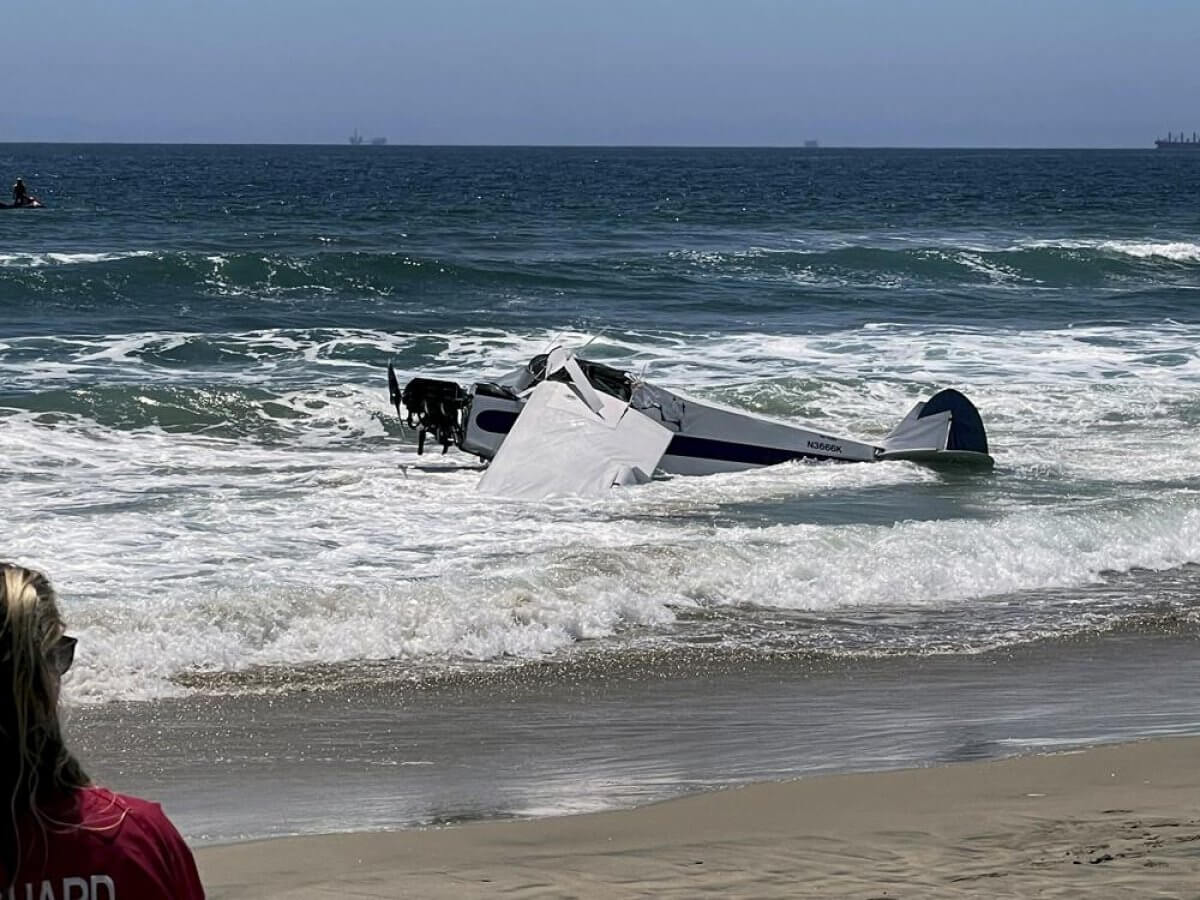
(62, 654)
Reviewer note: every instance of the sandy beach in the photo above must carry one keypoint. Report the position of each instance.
(1112, 821)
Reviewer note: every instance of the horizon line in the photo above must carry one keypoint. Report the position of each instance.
(580, 146)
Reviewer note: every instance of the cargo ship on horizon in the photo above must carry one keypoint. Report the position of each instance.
(1178, 142)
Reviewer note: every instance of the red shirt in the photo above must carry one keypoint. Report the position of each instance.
(104, 846)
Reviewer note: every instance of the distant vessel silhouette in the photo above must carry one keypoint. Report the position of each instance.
(1178, 142)
(357, 139)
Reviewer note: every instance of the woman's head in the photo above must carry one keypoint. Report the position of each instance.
(34, 653)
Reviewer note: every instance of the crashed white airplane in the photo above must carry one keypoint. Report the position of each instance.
(565, 426)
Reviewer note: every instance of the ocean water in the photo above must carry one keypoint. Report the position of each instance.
(199, 449)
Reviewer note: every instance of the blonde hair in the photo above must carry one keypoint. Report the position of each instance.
(35, 766)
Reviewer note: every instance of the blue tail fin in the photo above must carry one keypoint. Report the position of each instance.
(966, 427)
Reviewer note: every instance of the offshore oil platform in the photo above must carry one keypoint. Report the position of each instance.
(1178, 142)
(356, 139)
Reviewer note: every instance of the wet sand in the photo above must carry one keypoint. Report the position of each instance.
(1114, 821)
(540, 741)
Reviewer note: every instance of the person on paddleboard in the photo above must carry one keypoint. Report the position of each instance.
(21, 194)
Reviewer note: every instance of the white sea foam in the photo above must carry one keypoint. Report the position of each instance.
(211, 551)
(355, 560)
(41, 260)
(1175, 251)
(963, 247)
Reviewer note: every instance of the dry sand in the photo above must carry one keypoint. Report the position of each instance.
(1116, 821)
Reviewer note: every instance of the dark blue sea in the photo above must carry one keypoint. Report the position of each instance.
(199, 450)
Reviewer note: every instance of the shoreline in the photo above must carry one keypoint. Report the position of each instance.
(1124, 818)
(373, 755)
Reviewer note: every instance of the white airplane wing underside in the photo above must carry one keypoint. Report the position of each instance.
(561, 445)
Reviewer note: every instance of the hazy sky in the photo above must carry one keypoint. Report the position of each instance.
(1074, 73)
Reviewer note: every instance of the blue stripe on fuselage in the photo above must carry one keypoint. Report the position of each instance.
(745, 454)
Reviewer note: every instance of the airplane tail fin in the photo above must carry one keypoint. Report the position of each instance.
(945, 428)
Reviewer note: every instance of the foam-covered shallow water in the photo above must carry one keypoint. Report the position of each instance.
(266, 509)
(199, 449)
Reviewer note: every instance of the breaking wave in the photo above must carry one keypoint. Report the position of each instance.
(151, 280)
